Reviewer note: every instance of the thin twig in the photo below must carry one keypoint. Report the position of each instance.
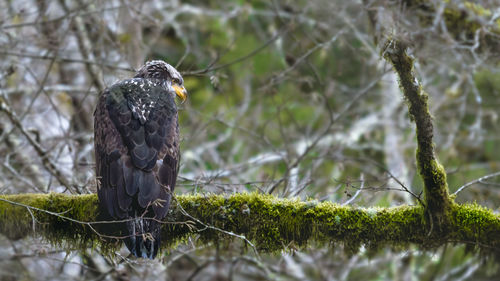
(332, 121)
(362, 180)
(479, 180)
(240, 59)
(396, 179)
(216, 228)
(67, 60)
(42, 153)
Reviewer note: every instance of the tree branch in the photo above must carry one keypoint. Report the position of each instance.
(42, 153)
(269, 223)
(437, 199)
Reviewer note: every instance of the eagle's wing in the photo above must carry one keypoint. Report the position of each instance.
(109, 149)
(137, 148)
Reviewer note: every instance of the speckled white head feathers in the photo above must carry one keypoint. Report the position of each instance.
(158, 69)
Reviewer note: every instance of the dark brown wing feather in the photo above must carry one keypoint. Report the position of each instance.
(136, 149)
(127, 151)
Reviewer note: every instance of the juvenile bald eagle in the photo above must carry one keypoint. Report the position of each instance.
(137, 155)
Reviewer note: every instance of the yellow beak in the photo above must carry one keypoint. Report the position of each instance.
(180, 91)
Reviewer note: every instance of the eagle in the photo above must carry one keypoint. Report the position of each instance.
(136, 139)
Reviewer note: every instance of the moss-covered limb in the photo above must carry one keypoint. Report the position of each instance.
(17, 221)
(271, 224)
(437, 199)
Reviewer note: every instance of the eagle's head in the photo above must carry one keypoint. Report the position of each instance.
(158, 69)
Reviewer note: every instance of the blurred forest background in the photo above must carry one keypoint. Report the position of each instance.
(291, 98)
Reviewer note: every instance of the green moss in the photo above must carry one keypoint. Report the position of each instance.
(437, 199)
(270, 223)
(273, 223)
(474, 226)
(52, 223)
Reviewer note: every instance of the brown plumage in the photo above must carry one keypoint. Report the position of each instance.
(137, 153)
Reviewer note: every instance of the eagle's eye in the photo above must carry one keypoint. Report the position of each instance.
(176, 81)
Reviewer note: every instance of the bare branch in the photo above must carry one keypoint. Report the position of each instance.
(42, 153)
(479, 180)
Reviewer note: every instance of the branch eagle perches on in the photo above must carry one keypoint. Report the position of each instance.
(264, 221)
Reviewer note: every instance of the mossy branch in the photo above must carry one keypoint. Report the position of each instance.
(437, 199)
(271, 224)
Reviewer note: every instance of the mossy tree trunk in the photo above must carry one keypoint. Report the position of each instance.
(437, 199)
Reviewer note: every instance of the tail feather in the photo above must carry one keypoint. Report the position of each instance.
(144, 239)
